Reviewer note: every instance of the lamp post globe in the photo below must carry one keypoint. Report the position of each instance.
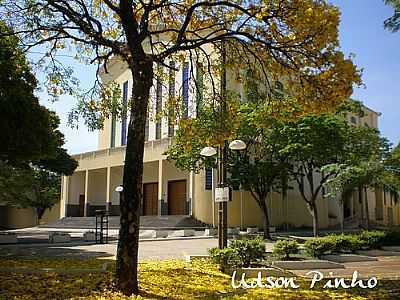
(237, 145)
(119, 188)
(208, 151)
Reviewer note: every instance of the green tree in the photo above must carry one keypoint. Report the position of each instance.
(29, 187)
(29, 132)
(393, 23)
(312, 142)
(296, 40)
(31, 153)
(261, 168)
(361, 167)
(258, 169)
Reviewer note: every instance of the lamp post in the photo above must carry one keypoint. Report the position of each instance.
(120, 190)
(222, 192)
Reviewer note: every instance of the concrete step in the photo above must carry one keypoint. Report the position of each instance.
(146, 222)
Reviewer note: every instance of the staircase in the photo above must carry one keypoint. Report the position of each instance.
(146, 222)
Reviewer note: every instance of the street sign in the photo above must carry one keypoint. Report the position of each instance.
(222, 194)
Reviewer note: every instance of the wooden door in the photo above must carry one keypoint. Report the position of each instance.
(177, 197)
(150, 199)
(81, 205)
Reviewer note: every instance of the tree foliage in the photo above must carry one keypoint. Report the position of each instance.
(258, 169)
(31, 153)
(312, 142)
(28, 130)
(362, 166)
(29, 187)
(393, 23)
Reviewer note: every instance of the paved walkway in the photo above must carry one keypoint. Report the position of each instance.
(387, 267)
(160, 249)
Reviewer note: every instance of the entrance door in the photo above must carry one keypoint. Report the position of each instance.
(81, 205)
(150, 199)
(177, 197)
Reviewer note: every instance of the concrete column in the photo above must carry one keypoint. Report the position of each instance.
(64, 196)
(191, 193)
(86, 192)
(108, 199)
(161, 198)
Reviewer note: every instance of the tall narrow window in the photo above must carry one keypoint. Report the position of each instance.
(146, 129)
(124, 110)
(113, 126)
(199, 88)
(185, 89)
(158, 107)
(171, 95)
(208, 179)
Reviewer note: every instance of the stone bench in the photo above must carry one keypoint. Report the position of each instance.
(251, 230)
(210, 232)
(159, 234)
(59, 237)
(182, 233)
(233, 231)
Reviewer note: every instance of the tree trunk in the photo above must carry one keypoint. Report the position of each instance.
(366, 209)
(264, 208)
(40, 212)
(341, 204)
(130, 203)
(361, 202)
(312, 207)
(285, 201)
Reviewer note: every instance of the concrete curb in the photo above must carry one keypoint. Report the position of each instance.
(346, 258)
(378, 253)
(307, 265)
(103, 269)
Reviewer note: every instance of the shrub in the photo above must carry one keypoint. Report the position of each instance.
(391, 238)
(224, 257)
(248, 250)
(283, 248)
(316, 247)
(345, 243)
(372, 239)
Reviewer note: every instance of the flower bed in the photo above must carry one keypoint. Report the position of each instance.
(157, 280)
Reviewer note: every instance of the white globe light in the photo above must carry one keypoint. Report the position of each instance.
(119, 188)
(208, 151)
(237, 145)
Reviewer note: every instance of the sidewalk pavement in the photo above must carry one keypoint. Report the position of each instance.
(151, 249)
(386, 267)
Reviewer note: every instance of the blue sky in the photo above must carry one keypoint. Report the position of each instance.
(376, 50)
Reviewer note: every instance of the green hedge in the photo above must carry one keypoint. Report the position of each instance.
(319, 246)
(283, 248)
(316, 247)
(372, 239)
(239, 253)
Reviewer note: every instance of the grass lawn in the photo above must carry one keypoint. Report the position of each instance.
(71, 279)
